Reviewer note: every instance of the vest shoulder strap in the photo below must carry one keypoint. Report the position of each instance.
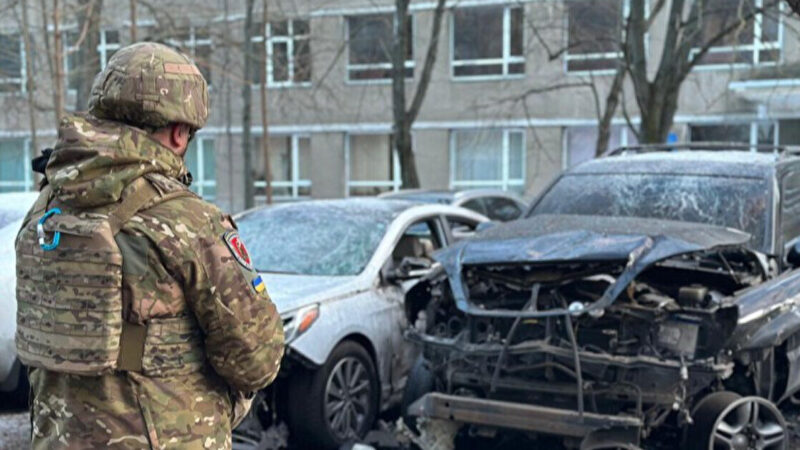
(142, 193)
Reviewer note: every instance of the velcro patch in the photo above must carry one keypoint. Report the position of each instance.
(238, 249)
(186, 69)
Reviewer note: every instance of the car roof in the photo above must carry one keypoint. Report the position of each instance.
(695, 162)
(447, 196)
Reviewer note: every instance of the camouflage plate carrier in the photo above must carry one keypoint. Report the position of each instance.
(69, 289)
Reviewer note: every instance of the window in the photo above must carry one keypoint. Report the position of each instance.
(290, 163)
(12, 63)
(200, 160)
(288, 53)
(487, 41)
(594, 33)
(419, 241)
(754, 41)
(581, 142)
(790, 207)
(373, 167)
(755, 133)
(488, 158)
(109, 44)
(370, 39)
(196, 43)
(15, 168)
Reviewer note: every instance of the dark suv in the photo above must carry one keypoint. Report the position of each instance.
(650, 298)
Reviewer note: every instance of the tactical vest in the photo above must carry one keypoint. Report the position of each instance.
(69, 295)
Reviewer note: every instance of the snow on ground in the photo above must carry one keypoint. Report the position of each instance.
(14, 430)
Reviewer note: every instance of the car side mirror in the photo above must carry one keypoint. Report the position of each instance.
(485, 226)
(793, 253)
(409, 268)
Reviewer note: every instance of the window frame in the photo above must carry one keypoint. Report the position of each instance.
(28, 181)
(23, 74)
(505, 182)
(104, 47)
(756, 46)
(409, 63)
(295, 183)
(394, 184)
(198, 179)
(506, 60)
(625, 11)
(266, 33)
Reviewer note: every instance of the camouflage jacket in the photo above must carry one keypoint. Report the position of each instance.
(178, 262)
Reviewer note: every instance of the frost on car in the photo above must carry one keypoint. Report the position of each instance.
(646, 299)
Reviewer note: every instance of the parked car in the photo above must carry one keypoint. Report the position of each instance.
(650, 297)
(496, 204)
(13, 381)
(337, 271)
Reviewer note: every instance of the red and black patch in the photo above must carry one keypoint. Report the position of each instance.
(238, 249)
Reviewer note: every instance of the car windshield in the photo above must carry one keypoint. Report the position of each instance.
(314, 239)
(741, 203)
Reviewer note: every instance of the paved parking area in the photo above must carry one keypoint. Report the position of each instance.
(14, 430)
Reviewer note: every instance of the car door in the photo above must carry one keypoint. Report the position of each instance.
(417, 243)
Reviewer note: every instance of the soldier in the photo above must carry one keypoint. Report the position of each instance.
(139, 313)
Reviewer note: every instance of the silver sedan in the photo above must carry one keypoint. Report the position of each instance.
(337, 271)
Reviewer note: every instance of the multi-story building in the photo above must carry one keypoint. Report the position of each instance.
(512, 100)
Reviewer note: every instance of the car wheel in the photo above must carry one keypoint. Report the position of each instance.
(728, 421)
(420, 382)
(337, 403)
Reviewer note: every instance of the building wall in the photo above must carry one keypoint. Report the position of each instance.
(330, 109)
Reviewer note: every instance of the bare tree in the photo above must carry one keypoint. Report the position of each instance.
(247, 49)
(685, 45)
(58, 63)
(30, 81)
(87, 59)
(404, 116)
(264, 123)
(133, 19)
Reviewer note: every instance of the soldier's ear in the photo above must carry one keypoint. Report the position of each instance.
(179, 137)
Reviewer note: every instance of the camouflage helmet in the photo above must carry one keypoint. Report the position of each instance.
(150, 85)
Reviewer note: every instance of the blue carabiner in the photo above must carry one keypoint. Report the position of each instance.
(40, 231)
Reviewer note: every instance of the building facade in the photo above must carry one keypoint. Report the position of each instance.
(513, 97)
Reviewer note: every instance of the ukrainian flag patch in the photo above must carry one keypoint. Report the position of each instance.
(258, 284)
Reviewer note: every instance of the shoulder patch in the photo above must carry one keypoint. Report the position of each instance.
(237, 248)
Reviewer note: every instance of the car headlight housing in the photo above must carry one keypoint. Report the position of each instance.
(297, 324)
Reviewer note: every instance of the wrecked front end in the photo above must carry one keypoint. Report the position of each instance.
(583, 330)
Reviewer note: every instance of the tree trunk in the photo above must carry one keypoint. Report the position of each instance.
(58, 65)
(247, 49)
(402, 124)
(30, 81)
(612, 101)
(88, 59)
(133, 20)
(264, 122)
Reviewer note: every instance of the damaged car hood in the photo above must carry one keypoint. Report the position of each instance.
(290, 292)
(558, 238)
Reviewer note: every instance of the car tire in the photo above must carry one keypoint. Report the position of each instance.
(320, 415)
(420, 382)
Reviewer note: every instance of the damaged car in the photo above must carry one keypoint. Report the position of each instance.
(649, 299)
(337, 271)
